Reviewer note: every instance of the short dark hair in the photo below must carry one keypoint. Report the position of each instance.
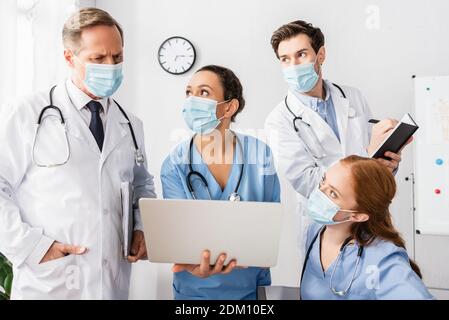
(295, 28)
(232, 87)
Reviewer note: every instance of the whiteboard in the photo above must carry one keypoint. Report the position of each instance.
(432, 155)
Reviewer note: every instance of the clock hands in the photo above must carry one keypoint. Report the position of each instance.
(179, 56)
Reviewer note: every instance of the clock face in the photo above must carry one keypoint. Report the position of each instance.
(177, 55)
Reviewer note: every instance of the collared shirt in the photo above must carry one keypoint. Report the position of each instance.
(81, 99)
(325, 108)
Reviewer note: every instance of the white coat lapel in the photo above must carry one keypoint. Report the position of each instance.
(342, 112)
(76, 126)
(323, 131)
(116, 130)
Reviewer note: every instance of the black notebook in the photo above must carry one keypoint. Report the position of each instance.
(397, 138)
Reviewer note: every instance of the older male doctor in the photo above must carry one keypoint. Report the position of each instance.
(60, 186)
(318, 122)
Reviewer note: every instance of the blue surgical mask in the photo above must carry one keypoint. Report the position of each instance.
(322, 209)
(200, 114)
(301, 77)
(103, 80)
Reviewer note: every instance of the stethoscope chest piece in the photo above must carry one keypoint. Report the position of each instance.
(140, 159)
(234, 197)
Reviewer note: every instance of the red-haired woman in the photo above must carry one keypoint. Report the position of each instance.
(353, 250)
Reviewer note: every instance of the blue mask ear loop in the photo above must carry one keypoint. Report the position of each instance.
(218, 103)
(348, 211)
(218, 119)
(340, 210)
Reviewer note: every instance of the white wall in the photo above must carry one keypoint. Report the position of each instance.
(378, 58)
(31, 59)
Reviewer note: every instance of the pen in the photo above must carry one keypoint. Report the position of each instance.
(373, 121)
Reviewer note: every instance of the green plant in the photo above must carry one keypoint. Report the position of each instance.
(5, 278)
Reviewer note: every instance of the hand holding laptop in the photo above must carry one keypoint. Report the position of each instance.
(205, 269)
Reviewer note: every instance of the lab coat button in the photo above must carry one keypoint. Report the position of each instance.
(105, 211)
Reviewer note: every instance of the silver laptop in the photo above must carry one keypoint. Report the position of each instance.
(177, 231)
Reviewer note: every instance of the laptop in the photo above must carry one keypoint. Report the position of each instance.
(177, 231)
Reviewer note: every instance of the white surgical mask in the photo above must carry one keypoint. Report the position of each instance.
(301, 77)
(200, 114)
(102, 80)
(322, 209)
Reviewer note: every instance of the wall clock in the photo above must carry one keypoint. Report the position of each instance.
(177, 55)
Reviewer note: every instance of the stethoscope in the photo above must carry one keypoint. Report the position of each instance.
(139, 157)
(234, 196)
(318, 154)
(339, 293)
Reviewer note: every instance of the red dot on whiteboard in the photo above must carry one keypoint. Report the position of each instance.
(437, 191)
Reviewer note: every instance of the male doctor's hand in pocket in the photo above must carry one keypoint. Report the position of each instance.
(60, 250)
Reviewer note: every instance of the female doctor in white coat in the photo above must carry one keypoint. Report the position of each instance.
(60, 182)
(318, 123)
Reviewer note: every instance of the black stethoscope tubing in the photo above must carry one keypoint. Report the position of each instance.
(193, 173)
(52, 106)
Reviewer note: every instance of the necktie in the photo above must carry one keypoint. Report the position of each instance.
(96, 125)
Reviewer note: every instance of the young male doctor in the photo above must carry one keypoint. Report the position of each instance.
(319, 122)
(60, 185)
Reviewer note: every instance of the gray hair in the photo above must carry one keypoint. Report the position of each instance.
(84, 19)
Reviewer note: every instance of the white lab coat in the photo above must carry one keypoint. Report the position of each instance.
(78, 203)
(295, 163)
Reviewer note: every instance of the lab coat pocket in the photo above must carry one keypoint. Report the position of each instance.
(311, 142)
(54, 268)
(54, 263)
(55, 279)
(125, 162)
(356, 123)
(357, 134)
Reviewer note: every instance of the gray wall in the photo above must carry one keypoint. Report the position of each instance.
(374, 45)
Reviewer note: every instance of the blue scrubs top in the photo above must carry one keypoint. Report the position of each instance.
(259, 183)
(384, 273)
